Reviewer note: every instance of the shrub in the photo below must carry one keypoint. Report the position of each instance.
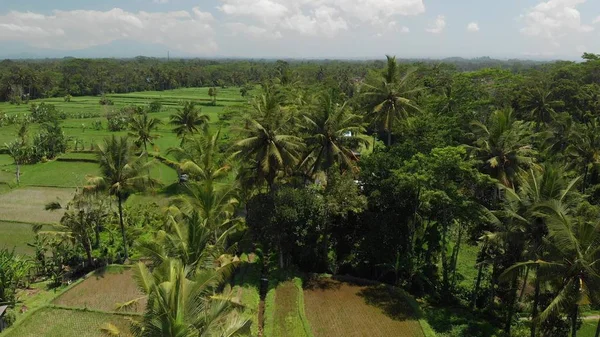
(43, 112)
(50, 142)
(67, 98)
(10, 317)
(119, 120)
(97, 125)
(106, 101)
(155, 106)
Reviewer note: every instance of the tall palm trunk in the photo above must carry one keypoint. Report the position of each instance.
(536, 301)
(585, 174)
(87, 243)
(455, 252)
(574, 317)
(511, 308)
(18, 173)
(120, 201)
(389, 137)
(524, 284)
(477, 285)
(88, 251)
(97, 234)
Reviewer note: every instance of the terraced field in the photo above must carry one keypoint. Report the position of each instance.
(104, 291)
(54, 322)
(85, 308)
(341, 309)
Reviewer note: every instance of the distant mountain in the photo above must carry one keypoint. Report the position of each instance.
(116, 49)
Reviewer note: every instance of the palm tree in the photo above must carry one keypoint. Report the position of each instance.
(538, 101)
(390, 98)
(215, 204)
(527, 224)
(332, 132)
(121, 175)
(188, 120)
(267, 107)
(504, 145)
(142, 127)
(575, 246)
(584, 149)
(82, 220)
(268, 151)
(186, 306)
(189, 240)
(198, 157)
(577, 260)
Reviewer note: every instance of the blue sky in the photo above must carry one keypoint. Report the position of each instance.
(538, 29)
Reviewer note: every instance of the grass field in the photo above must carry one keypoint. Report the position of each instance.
(340, 309)
(17, 235)
(246, 290)
(588, 329)
(284, 311)
(103, 291)
(52, 322)
(27, 204)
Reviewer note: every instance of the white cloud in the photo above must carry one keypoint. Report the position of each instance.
(438, 26)
(161, 1)
(597, 20)
(554, 19)
(473, 27)
(391, 27)
(239, 28)
(80, 29)
(581, 49)
(394, 27)
(320, 17)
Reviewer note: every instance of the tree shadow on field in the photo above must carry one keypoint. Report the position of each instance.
(392, 303)
(459, 321)
(102, 272)
(322, 284)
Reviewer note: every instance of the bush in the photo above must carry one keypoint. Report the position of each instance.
(118, 120)
(50, 142)
(67, 98)
(41, 113)
(106, 101)
(97, 125)
(10, 317)
(155, 106)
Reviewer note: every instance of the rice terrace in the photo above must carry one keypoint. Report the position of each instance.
(299, 169)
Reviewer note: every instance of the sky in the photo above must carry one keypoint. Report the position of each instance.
(527, 29)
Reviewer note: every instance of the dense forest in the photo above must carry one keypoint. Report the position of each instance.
(382, 170)
(78, 77)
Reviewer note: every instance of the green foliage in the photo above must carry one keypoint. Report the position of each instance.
(185, 305)
(106, 101)
(117, 120)
(14, 271)
(121, 175)
(45, 113)
(290, 221)
(188, 120)
(50, 142)
(155, 106)
(284, 310)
